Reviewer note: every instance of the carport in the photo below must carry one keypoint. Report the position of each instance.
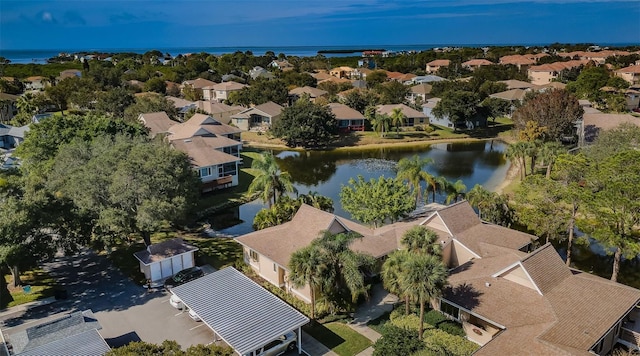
(241, 312)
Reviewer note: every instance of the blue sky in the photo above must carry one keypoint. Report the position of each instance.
(99, 24)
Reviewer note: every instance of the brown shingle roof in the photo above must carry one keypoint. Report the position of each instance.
(546, 268)
(202, 151)
(459, 217)
(311, 91)
(228, 86)
(517, 84)
(199, 125)
(199, 83)
(343, 112)
(422, 88)
(407, 111)
(157, 122)
(511, 95)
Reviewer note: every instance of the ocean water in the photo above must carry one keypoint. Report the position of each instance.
(41, 56)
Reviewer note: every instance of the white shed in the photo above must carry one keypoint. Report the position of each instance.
(163, 260)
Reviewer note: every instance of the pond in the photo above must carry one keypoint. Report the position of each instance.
(325, 172)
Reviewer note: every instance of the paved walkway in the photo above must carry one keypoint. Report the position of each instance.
(313, 347)
(379, 303)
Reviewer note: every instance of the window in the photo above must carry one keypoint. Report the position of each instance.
(204, 172)
(228, 169)
(275, 268)
(254, 256)
(449, 309)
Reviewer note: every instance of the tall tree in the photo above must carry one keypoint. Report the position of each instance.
(459, 106)
(392, 270)
(613, 209)
(305, 124)
(423, 279)
(455, 190)
(397, 119)
(376, 201)
(410, 171)
(269, 180)
(518, 152)
(549, 152)
(380, 123)
(555, 110)
(308, 266)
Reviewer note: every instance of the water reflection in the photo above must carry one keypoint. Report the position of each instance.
(325, 172)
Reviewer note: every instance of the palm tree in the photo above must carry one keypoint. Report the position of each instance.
(454, 191)
(532, 151)
(345, 267)
(423, 278)
(434, 185)
(27, 104)
(380, 123)
(397, 119)
(308, 266)
(479, 197)
(421, 240)
(317, 201)
(269, 180)
(549, 152)
(518, 151)
(392, 269)
(410, 170)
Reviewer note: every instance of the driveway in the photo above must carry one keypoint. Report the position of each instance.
(125, 310)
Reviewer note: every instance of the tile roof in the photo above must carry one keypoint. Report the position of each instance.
(157, 122)
(558, 66)
(244, 314)
(517, 59)
(165, 249)
(477, 62)
(630, 69)
(439, 63)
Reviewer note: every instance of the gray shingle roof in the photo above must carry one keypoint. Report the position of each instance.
(88, 343)
(245, 315)
(163, 250)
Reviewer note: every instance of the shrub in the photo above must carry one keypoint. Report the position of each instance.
(410, 322)
(441, 342)
(434, 317)
(397, 341)
(451, 327)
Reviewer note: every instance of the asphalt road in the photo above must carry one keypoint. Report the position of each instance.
(125, 310)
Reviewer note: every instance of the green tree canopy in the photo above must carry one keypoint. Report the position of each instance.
(169, 347)
(459, 106)
(376, 201)
(305, 124)
(127, 186)
(149, 103)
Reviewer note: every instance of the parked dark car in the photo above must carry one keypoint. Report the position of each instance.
(183, 277)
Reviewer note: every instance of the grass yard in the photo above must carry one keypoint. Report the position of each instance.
(42, 286)
(338, 337)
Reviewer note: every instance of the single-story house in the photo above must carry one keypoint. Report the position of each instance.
(242, 313)
(162, 260)
(503, 291)
(426, 79)
(258, 118)
(412, 116)
(595, 121)
(348, 118)
(73, 333)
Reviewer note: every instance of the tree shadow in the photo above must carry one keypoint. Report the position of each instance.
(323, 334)
(123, 339)
(464, 295)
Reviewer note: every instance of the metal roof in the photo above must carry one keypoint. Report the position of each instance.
(88, 343)
(245, 315)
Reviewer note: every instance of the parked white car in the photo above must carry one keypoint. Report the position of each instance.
(176, 302)
(279, 346)
(193, 315)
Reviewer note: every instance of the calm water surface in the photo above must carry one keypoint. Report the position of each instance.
(325, 172)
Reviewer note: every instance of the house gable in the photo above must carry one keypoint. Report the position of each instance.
(517, 274)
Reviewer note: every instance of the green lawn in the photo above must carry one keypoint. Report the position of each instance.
(217, 252)
(338, 337)
(42, 286)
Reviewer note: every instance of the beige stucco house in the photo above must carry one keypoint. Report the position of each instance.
(435, 65)
(509, 298)
(631, 74)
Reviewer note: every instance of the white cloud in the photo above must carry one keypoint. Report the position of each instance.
(47, 17)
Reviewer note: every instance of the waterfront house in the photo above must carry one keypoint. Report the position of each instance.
(258, 118)
(503, 291)
(412, 116)
(348, 118)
